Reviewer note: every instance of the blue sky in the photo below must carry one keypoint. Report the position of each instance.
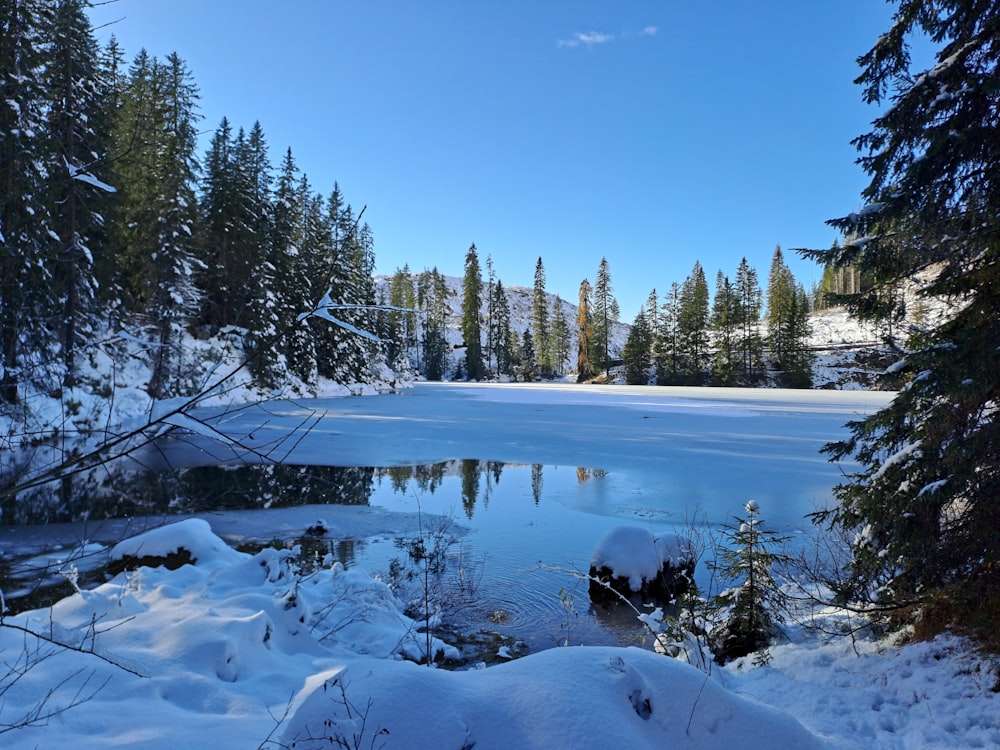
(651, 133)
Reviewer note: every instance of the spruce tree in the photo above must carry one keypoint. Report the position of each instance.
(725, 325)
(925, 503)
(500, 331)
(560, 336)
(435, 351)
(291, 290)
(653, 319)
(76, 153)
(136, 130)
(345, 279)
(540, 324)
(432, 296)
(491, 280)
(692, 326)
(606, 313)
(168, 214)
(780, 307)
(798, 357)
(755, 603)
(636, 351)
(584, 334)
(25, 275)
(472, 292)
(229, 249)
(788, 326)
(750, 343)
(527, 369)
(402, 334)
(667, 349)
(322, 292)
(254, 167)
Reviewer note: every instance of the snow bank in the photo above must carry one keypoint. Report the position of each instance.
(579, 697)
(214, 653)
(192, 534)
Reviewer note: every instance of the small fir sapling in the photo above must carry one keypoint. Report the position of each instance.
(753, 606)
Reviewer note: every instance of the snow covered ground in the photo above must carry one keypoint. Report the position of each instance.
(242, 650)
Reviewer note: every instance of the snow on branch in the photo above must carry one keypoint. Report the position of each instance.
(322, 310)
(78, 173)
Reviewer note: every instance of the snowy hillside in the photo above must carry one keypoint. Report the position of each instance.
(849, 355)
(852, 355)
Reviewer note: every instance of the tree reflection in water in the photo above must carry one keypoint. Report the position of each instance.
(107, 493)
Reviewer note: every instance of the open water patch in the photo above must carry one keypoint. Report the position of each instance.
(519, 536)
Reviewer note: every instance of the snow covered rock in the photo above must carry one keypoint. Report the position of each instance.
(185, 542)
(631, 560)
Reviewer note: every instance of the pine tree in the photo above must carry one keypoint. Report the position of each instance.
(500, 331)
(584, 334)
(472, 292)
(925, 500)
(780, 294)
(692, 326)
(230, 250)
(725, 325)
(24, 218)
(667, 349)
(527, 369)
(542, 343)
(636, 351)
(560, 335)
(750, 344)
(402, 334)
(76, 194)
(432, 296)
(606, 313)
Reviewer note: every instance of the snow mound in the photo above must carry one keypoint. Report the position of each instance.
(192, 534)
(586, 697)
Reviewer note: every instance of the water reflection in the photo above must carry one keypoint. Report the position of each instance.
(520, 546)
(108, 493)
(478, 480)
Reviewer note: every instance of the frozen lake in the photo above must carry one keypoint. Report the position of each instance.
(528, 476)
(680, 448)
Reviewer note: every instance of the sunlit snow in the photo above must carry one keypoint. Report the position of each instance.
(243, 651)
